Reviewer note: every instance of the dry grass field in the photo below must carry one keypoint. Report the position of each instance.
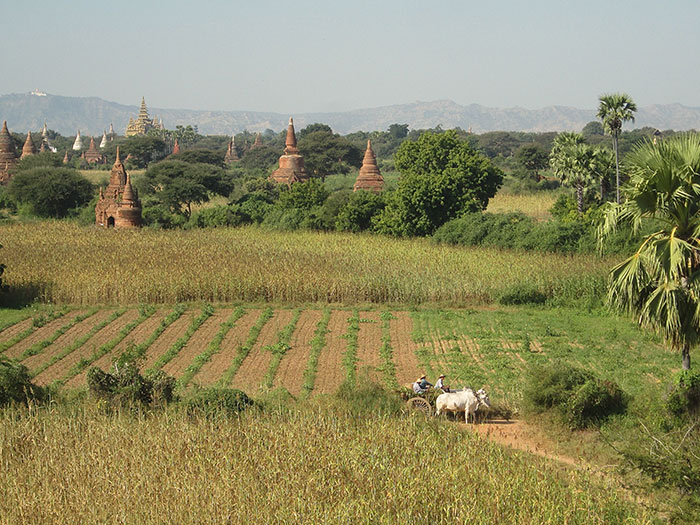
(535, 205)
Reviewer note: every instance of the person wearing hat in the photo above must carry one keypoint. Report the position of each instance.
(439, 383)
(421, 385)
(424, 383)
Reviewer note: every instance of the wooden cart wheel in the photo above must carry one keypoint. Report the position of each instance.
(419, 404)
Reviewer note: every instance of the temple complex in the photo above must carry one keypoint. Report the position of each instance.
(291, 162)
(8, 154)
(78, 144)
(119, 205)
(142, 124)
(176, 148)
(369, 178)
(231, 154)
(28, 148)
(92, 156)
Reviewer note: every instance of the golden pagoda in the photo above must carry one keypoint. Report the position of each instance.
(142, 124)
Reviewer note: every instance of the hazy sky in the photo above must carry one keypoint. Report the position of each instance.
(304, 56)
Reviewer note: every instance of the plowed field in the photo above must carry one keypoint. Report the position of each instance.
(475, 348)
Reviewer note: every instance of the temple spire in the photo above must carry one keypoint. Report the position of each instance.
(369, 178)
(78, 144)
(291, 141)
(103, 142)
(176, 148)
(8, 155)
(28, 148)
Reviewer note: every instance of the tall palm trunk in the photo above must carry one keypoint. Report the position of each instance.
(686, 356)
(617, 167)
(579, 198)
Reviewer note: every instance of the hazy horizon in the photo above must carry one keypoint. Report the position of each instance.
(309, 56)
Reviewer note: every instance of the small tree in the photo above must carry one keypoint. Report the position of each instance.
(574, 163)
(533, 158)
(50, 191)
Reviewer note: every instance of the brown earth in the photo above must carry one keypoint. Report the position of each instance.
(290, 373)
(197, 343)
(404, 348)
(17, 328)
(254, 367)
(165, 340)
(137, 336)
(236, 337)
(66, 339)
(330, 372)
(41, 333)
(109, 332)
(369, 341)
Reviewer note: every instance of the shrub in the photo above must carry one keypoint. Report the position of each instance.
(684, 398)
(123, 385)
(49, 191)
(522, 293)
(16, 385)
(580, 398)
(216, 402)
(368, 397)
(357, 213)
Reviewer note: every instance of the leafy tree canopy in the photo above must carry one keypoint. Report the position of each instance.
(200, 156)
(326, 153)
(533, 158)
(303, 195)
(442, 177)
(51, 191)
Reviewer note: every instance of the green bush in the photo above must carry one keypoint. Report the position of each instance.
(368, 397)
(580, 398)
(124, 385)
(216, 402)
(684, 398)
(16, 385)
(522, 293)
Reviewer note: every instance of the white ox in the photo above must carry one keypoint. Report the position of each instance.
(466, 401)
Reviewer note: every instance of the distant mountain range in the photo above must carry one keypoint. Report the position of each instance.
(92, 115)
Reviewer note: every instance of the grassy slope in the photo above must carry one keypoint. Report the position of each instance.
(167, 468)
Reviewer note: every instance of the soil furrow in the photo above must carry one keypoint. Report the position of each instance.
(197, 343)
(290, 373)
(404, 348)
(250, 375)
(369, 341)
(109, 332)
(17, 328)
(219, 363)
(137, 336)
(41, 333)
(171, 334)
(330, 373)
(66, 339)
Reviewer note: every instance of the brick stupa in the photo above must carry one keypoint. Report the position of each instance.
(92, 156)
(258, 141)
(28, 148)
(119, 205)
(8, 154)
(176, 148)
(231, 154)
(291, 163)
(369, 178)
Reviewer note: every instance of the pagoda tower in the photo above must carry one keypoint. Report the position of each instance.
(92, 156)
(291, 162)
(8, 154)
(65, 158)
(111, 130)
(369, 178)
(103, 142)
(119, 205)
(258, 141)
(78, 144)
(176, 148)
(142, 124)
(231, 154)
(28, 148)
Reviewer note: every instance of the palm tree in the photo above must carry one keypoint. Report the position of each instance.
(613, 111)
(660, 283)
(574, 162)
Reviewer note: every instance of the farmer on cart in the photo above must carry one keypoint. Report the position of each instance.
(439, 384)
(421, 385)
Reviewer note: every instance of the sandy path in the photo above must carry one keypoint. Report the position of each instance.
(330, 373)
(404, 348)
(290, 373)
(42, 333)
(17, 328)
(78, 331)
(197, 343)
(369, 341)
(137, 336)
(236, 337)
(254, 367)
(109, 332)
(171, 334)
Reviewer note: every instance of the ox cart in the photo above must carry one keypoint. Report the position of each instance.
(467, 400)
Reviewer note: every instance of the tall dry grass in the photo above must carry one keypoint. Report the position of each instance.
(61, 262)
(310, 465)
(535, 205)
